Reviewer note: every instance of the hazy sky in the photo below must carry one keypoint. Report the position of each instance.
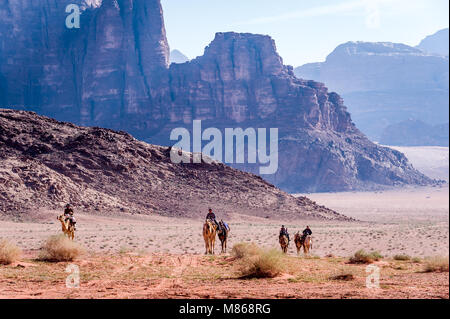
(304, 30)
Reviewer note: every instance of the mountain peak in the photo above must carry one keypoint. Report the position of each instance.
(436, 43)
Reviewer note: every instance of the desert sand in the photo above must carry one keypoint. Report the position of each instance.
(164, 257)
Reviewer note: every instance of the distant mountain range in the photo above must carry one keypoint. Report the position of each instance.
(436, 43)
(387, 83)
(415, 132)
(177, 57)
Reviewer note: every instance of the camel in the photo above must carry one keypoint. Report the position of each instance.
(67, 227)
(284, 243)
(209, 235)
(223, 236)
(306, 243)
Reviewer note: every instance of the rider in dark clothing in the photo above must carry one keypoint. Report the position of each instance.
(212, 216)
(284, 231)
(307, 231)
(68, 213)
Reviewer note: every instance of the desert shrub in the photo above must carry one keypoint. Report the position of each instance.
(9, 252)
(60, 248)
(402, 257)
(242, 250)
(436, 264)
(416, 260)
(262, 264)
(343, 276)
(363, 257)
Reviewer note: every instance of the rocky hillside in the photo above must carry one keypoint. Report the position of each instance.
(46, 163)
(113, 72)
(385, 83)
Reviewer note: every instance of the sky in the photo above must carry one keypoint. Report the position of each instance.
(304, 30)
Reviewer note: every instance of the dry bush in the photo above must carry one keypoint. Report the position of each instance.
(343, 276)
(260, 263)
(436, 264)
(9, 252)
(402, 257)
(243, 250)
(60, 248)
(363, 257)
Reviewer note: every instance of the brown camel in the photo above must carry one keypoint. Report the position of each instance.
(284, 243)
(300, 242)
(67, 227)
(223, 236)
(209, 235)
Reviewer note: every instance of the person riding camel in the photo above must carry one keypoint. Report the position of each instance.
(307, 231)
(211, 216)
(68, 213)
(284, 231)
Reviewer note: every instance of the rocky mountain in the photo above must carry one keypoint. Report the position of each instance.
(415, 133)
(114, 72)
(46, 163)
(385, 83)
(177, 57)
(436, 43)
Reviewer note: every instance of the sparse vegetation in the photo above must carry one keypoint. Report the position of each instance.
(436, 264)
(9, 252)
(363, 257)
(60, 248)
(402, 257)
(242, 250)
(343, 276)
(257, 262)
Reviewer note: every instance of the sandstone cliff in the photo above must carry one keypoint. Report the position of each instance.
(113, 72)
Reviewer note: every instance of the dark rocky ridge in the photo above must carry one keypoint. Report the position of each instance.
(113, 72)
(46, 163)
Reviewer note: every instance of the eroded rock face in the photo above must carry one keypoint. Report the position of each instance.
(102, 72)
(113, 72)
(45, 164)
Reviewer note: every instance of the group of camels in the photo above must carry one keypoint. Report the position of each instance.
(210, 231)
(209, 235)
(300, 241)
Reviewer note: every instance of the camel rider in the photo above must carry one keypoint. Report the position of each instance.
(307, 231)
(284, 231)
(211, 216)
(68, 213)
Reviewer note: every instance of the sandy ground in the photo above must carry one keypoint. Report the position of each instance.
(412, 221)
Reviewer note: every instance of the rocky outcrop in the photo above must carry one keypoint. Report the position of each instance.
(436, 43)
(178, 57)
(113, 72)
(101, 73)
(385, 83)
(46, 164)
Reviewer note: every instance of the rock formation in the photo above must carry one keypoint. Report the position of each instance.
(113, 72)
(385, 83)
(46, 164)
